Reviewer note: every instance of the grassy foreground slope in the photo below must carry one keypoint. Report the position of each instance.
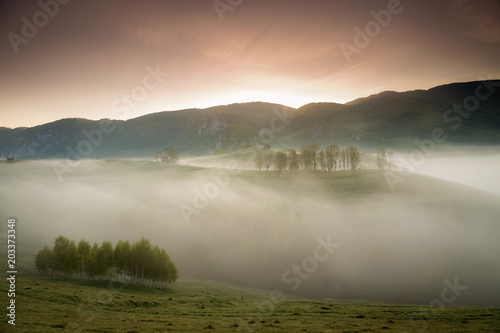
(65, 305)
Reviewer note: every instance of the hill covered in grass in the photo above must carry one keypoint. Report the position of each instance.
(389, 119)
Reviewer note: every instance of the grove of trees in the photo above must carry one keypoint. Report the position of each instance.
(127, 262)
(311, 158)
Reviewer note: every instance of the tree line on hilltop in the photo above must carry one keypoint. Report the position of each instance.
(138, 261)
(310, 158)
(313, 158)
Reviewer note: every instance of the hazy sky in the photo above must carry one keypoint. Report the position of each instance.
(84, 60)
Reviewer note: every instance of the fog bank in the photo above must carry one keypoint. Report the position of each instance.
(262, 230)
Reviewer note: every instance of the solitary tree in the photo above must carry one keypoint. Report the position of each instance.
(329, 160)
(170, 155)
(322, 160)
(105, 258)
(280, 161)
(306, 157)
(268, 160)
(354, 157)
(73, 258)
(151, 268)
(92, 262)
(332, 156)
(381, 158)
(259, 160)
(83, 249)
(163, 266)
(44, 261)
(121, 256)
(172, 272)
(313, 150)
(343, 159)
(62, 250)
(293, 157)
(140, 253)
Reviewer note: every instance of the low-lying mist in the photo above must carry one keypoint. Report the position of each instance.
(480, 172)
(474, 166)
(263, 230)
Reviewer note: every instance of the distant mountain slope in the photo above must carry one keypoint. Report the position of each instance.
(401, 117)
(194, 132)
(372, 100)
(390, 119)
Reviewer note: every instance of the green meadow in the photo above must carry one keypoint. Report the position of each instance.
(193, 305)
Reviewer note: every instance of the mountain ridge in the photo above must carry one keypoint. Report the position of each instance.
(390, 119)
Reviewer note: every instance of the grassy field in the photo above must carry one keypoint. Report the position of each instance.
(67, 305)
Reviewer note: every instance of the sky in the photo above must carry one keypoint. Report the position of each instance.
(121, 59)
